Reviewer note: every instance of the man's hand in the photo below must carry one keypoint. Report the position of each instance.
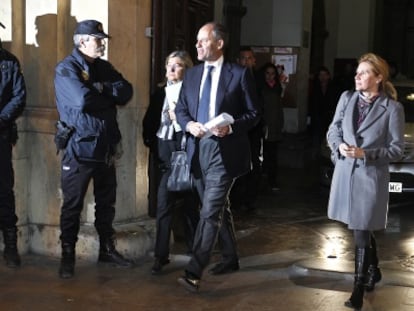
(196, 129)
(220, 131)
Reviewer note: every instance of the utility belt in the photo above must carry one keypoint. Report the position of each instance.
(87, 148)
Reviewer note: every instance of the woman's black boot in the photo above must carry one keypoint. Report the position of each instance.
(374, 273)
(361, 267)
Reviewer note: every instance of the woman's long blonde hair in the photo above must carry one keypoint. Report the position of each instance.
(380, 67)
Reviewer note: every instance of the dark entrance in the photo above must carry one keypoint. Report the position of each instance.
(175, 26)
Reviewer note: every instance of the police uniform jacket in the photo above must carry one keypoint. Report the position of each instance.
(12, 90)
(86, 96)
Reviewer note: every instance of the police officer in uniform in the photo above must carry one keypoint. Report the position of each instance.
(88, 90)
(12, 102)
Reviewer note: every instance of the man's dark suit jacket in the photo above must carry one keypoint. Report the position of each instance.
(236, 95)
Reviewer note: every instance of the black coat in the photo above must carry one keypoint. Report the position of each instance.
(152, 118)
(12, 90)
(86, 97)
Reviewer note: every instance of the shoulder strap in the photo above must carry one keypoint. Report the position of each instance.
(183, 141)
(348, 95)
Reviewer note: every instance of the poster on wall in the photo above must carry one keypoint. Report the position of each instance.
(287, 62)
(286, 67)
(285, 59)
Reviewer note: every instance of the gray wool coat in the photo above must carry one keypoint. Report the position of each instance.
(359, 190)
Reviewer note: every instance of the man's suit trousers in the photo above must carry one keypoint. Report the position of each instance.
(216, 221)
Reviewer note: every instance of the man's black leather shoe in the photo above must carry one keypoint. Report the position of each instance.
(10, 254)
(158, 264)
(12, 258)
(67, 269)
(67, 263)
(223, 268)
(189, 283)
(113, 257)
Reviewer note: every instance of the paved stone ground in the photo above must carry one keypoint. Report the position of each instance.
(292, 258)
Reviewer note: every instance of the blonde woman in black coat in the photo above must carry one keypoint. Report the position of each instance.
(162, 130)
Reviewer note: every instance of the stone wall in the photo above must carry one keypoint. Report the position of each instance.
(37, 166)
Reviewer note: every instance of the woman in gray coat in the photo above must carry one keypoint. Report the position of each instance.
(365, 135)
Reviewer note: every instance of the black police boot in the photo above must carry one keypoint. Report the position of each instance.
(108, 253)
(67, 263)
(361, 267)
(10, 253)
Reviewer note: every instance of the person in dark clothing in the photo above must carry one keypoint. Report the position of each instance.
(344, 80)
(270, 90)
(150, 125)
(395, 74)
(245, 190)
(12, 103)
(323, 102)
(88, 90)
(163, 134)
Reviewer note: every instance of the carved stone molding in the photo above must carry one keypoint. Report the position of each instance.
(39, 119)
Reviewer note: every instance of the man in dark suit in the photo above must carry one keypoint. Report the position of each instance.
(245, 191)
(218, 159)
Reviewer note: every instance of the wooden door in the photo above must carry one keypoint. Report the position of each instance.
(175, 26)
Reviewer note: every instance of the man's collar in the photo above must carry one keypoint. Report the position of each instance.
(83, 56)
(218, 63)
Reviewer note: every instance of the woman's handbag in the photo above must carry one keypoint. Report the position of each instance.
(180, 177)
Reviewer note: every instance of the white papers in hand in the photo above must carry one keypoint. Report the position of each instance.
(222, 119)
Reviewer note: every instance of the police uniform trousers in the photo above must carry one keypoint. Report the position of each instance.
(75, 178)
(216, 221)
(167, 203)
(8, 218)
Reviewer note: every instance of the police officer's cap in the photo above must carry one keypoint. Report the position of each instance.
(90, 27)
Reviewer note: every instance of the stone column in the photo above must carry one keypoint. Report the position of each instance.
(233, 11)
(18, 32)
(65, 27)
(37, 167)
